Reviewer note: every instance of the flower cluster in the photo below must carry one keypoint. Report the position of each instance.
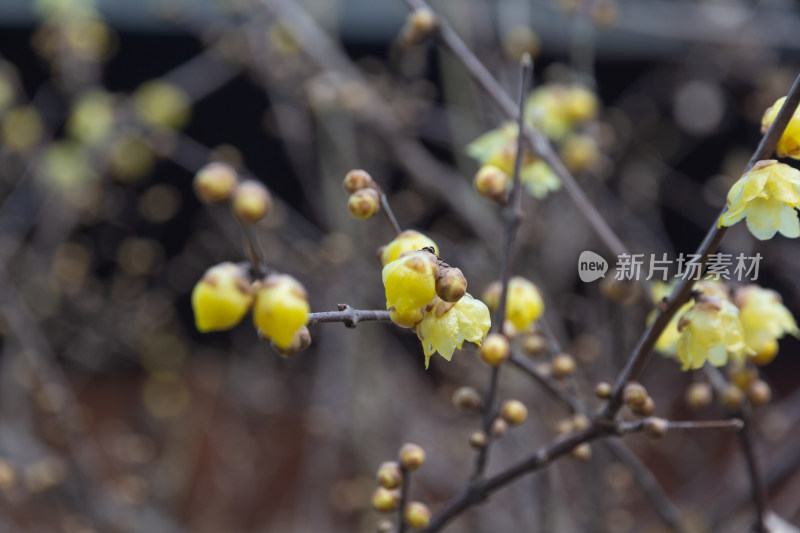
(426, 294)
(558, 111)
(714, 327)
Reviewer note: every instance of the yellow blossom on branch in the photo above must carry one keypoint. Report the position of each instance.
(222, 298)
(407, 241)
(446, 326)
(410, 281)
(765, 320)
(789, 143)
(711, 331)
(281, 309)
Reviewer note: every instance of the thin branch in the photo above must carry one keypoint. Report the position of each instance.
(731, 424)
(349, 316)
(556, 392)
(753, 470)
(404, 490)
(388, 213)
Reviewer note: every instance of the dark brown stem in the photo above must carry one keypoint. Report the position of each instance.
(552, 389)
(731, 424)
(254, 253)
(404, 490)
(349, 316)
(389, 214)
(756, 479)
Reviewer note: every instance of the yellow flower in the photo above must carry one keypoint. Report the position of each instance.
(556, 109)
(446, 326)
(408, 241)
(765, 320)
(281, 308)
(711, 331)
(410, 281)
(524, 304)
(789, 143)
(221, 299)
(539, 179)
(766, 195)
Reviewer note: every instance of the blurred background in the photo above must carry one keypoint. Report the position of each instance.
(117, 415)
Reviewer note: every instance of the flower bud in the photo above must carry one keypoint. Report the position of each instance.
(563, 365)
(732, 397)
(603, 390)
(698, 395)
(385, 500)
(300, 341)
(466, 399)
(499, 427)
(491, 296)
(419, 24)
(759, 393)
(251, 201)
(524, 304)
(634, 394)
(742, 375)
(417, 515)
(389, 475)
(579, 153)
(491, 183)
(582, 452)
(411, 456)
(281, 308)
(494, 349)
(534, 344)
(645, 409)
(580, 421)
(406, 319)
(410, 281)
(385, 526)
(514, 412)
(478, 440)
(451, 285)
(407, 241)
(222, 298)
(214, 183)
(364, 203)
(656, 427)
(357, 179)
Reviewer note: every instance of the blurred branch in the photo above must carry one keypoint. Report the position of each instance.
(349, 316)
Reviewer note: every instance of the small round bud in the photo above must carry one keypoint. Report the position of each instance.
(214, 183)
(742, 376)
(634, 395)
(385, 526)
(491, 183)
(563, 365)
(494, 349)
(732, 397)
(466, 399)
(580, 421)
(646, 409)
(621, 292)
(564, 426)
(389, 475)
(478, 440)
(582, 452)
(411, 456)
(499, 427)
(603, 390)
(417, 515)
(357, 179)
(534, 344)
(451, 285)
(514, 412)
(300, 341)
(364, 203)
(491, 296)
(699, 395)
(759, 393)
(251, 201)
(509, 330)
(385, 500)
(656, 427)
(419, 24)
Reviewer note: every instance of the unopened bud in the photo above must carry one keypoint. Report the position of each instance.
(419, 24)
(603, 390)
(514, 412)
(357, 179)
(214, 183)
(411, 456)
(491, 183)
(759, 393)
(563, 365)
(580, 421)
(656, 427)
(466, 399)
(300, 341)
(385, 500)
(364, 203)
(389, 475)
(634, 395)
(732, 397)
(499, 427)
(478, 440)
(698, 395)
(251, 201)
(491, 296)
(582, 452)
(494, 349)
(385, 526)
(534, 344)
(645, 409)
(417, 515)
(742, 376)
(451, 285)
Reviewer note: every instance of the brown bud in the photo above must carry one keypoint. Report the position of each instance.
(417, 515)
(466, 399)
(698, 395)
(656, 427)
(582, 452)
(451, 285)
(634, 395)
(645, 409)
(603, 390)
(759, 393)
(389, 475)
(385, 500)
(742, 376)
(357, 179)
(499, 427)
(494, 349)
(214, 183)
(514, 412)
(732, 397)
(478, 440)
(251, 201)
(411, 456)
(563, 365)
(491, 183)
(364, 203)
(580, 421)
(491, 296)
(534, 344)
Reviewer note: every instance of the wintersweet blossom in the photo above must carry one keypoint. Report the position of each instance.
(711, 331)
(221, 299)
(281, 308)
(765, 320)
(766, 196)
(410, 281)
(407, 241)
(446, 326)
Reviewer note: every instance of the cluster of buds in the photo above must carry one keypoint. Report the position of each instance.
(217, 183)
(637, 400)
(390, 476)
(365, 196)
(745, 379)
(426, 294)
